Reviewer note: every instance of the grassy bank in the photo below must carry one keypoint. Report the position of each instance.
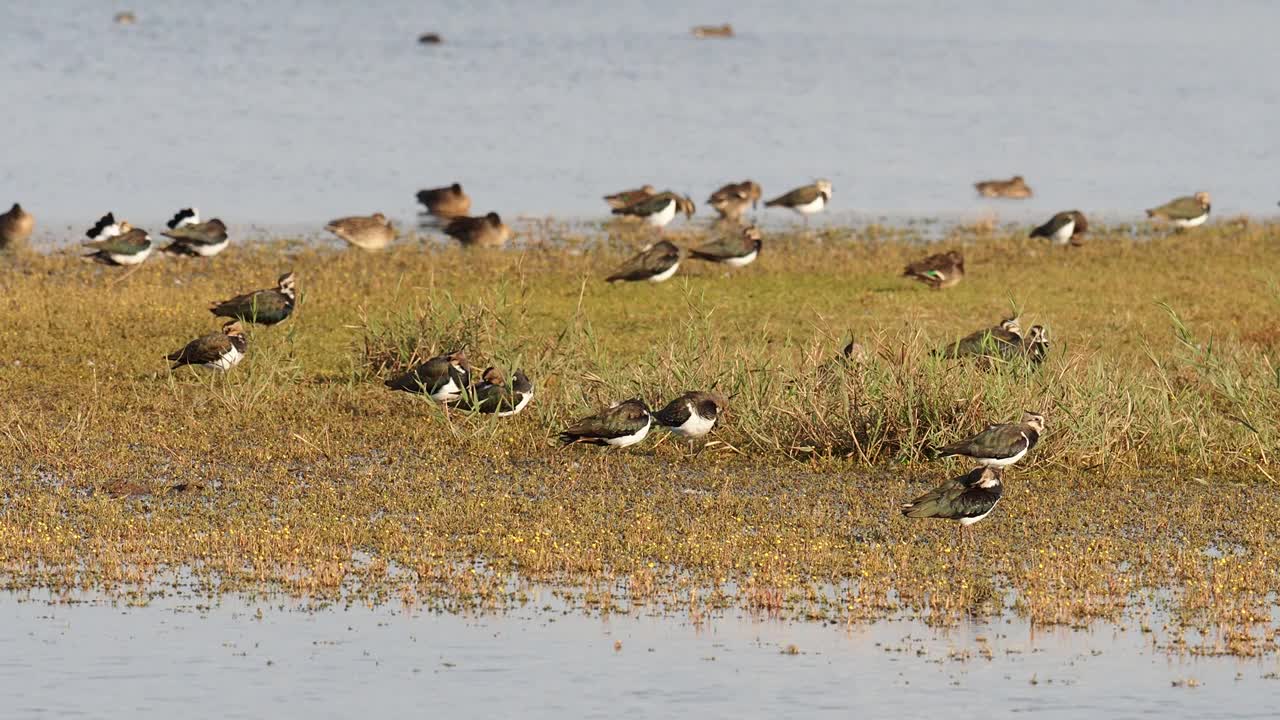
(1160, 393)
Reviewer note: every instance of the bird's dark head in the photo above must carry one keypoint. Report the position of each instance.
(1035, 420)
(493, 376)
(521, 382)
(989, 478)
(233, 328)
(493, 218)
(1011, 325)
(285, 284)
(456, 187)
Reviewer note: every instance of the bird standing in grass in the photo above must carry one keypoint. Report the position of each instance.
(965, 499)
(732, 200)
(620, 425)
(15, 227)
(999, 445)
(1066, 227)
(264, 307)
(737, 250)
(216, 351)
(692, 415)
(939, 271)
(443, 378)
(656, 262)
(805, 200)
(494, 395)
(1184, 212)
(194, 238)
(372, 232)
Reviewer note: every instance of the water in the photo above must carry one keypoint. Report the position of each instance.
(291, 112)
(104, 661)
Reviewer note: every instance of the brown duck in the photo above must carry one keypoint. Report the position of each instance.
(939, 271)
(450, 201)
(483, 231)
(15, 227)
(1014, 188)
(732, 199)
(372, 232)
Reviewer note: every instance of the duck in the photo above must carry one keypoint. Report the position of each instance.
(938, 271)
(713, 31)
(484, 231)
(16, 227)
(1015, 188)
(732, 200)
(656, 262)
(450, 201)
(371, 232)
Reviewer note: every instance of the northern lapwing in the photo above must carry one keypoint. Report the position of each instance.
(999, 445)
(712, 31)
(658, 210)
(194, 238)
(692, 415)
(217, 351)
(117, 243)
(1066, 227)
(450, 201)
(1184, 212)
(1035, 346)
(483, 231)
(965, 499)
(629, 197)
(494, 395)
(16, 227)
(264, 307)
(620, 425)
(444, 378)
(938, 271)
(733, 199)
(805, 200)
(1015, 188)
(737, 250)
(367, 232)
(985, 342)
(656, 262)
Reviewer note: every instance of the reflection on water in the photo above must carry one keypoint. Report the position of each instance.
(235, 659)
(284, 112)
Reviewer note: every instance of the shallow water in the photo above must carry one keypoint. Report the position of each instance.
(104, 661)
(290, 112)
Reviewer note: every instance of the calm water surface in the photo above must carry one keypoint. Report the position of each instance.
(174, 658)
(294, 112)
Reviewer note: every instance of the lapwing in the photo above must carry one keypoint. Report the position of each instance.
(372, 232)
(117, 243)
(494, 395)
(216, 351)
(733, 199)
(15, 227)
(738, 250)
(629, 197)
(999, 445)
(805, 200)
(620, 425)
(1035, 346)
(1184, 212)
(939, 271)
(194, 238)
(983, 343)
(264, 307)
(712, 31)
(483, 231)
(444, 378)
(1066, 227)
(659, 209)
(1015, 188)
(656, 262)
(446, 202)
(692, 415)
(965, 499)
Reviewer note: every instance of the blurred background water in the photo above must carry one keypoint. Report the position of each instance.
(290, 112)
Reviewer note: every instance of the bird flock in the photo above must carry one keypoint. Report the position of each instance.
(448, 379)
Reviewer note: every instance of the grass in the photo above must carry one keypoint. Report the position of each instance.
(298, 471)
